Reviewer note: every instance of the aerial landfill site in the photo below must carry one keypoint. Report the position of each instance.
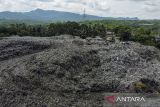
(67, 71)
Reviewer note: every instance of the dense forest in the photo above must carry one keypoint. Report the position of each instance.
(141, 31)
(53, 29)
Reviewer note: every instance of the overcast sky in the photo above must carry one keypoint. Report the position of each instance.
(144, 9)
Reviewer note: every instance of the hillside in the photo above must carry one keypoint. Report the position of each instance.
(52, 15)
(65, 71)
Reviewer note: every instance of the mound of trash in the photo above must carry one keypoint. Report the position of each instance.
(49, 72)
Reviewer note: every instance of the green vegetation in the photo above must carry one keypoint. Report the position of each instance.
(146, 85)
(139, 86)
(53, 29)
(142, 31)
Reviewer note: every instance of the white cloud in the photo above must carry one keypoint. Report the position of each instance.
(110, 8)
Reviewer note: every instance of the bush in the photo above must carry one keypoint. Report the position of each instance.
(123, 32)
(54, 29)
(139, 86)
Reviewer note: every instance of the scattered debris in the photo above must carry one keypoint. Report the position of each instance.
(48, 72)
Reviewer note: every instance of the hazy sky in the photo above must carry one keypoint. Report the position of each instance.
(144, 9)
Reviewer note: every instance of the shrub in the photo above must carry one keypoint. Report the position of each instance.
(139, 86)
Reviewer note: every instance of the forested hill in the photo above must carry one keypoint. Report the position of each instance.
(52, 15)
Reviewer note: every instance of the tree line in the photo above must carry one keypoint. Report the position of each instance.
(141, 35)
(54, 29)
(127, 31)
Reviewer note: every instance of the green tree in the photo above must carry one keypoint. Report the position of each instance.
(123, 32)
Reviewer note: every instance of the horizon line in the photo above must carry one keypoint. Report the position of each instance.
(80, 14)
